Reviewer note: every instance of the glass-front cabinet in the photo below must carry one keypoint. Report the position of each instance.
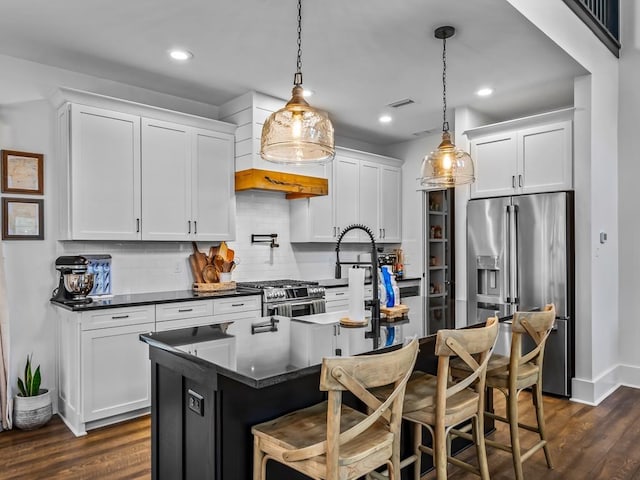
(439, 266)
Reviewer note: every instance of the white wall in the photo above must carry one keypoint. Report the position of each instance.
(629, 173)
(596, 177)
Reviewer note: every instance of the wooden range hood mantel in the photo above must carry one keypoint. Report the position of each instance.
(294, 185)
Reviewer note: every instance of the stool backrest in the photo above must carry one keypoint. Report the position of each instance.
(538, 326)
(474, 347)
(358, 375)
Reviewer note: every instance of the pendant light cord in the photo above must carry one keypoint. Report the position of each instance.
(297, 78)
(445, 124)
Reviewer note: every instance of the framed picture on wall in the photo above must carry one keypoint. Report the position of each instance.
(22, 172)
(22, 219)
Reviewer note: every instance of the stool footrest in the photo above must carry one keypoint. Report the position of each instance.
(505, 420)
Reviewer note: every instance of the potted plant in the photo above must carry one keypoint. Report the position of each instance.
(32, 405)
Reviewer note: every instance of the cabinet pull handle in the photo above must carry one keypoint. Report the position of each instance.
(380, 233)
(137, 225)
(189, 222)
(181, 310)
(520, 180)
(339, 293)
(513, 181)
(195, 227)
(334, 232)
(237, 304)
(118, 317)
(384, 233)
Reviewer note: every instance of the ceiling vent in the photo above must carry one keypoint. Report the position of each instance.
(401, 103)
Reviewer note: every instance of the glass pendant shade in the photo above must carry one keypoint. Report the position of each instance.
(297, 134)
(446, 167)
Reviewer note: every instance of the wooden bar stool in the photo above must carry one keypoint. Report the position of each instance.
(513, 374)
(331, 440)
(439, 404)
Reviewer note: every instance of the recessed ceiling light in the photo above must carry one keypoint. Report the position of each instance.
(307, 93)
(484, 92)
(385, 119)
(181, 55)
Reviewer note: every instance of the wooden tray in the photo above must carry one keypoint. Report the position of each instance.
(394, 312)
(347, 322)
(213, 287)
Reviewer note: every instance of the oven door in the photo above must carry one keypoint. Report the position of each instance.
(296, 308)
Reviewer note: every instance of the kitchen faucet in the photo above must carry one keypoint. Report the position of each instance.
(375, 302)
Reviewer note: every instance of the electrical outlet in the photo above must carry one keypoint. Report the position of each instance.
(195, 402)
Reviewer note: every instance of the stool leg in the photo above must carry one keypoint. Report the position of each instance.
(512, 401)
(417, 441)
(258, 455)
(481, 449)
(537, 395)
(440, 451)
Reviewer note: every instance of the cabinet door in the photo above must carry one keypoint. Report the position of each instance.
(115, 371)
(213, 203)
(369, 199)
(495, 159)
(105, 174)
(545, 158)
(166, 181)
(322, 214)
(391, 204)
(346, 194)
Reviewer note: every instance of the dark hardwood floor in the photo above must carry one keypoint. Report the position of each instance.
(586, 443)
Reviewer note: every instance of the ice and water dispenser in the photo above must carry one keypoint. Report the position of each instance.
(489, 276)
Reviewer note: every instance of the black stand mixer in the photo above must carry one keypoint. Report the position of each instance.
(75, 283)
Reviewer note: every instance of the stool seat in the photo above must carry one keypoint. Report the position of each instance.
(498, 372)
(308, 426)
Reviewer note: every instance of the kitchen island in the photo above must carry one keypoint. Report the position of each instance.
(202, 412)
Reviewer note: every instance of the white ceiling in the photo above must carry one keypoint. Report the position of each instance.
(358, 55)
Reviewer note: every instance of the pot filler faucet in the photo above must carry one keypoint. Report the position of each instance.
(375, 302)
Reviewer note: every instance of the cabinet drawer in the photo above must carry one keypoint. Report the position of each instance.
(174, 311)
(117, 317)
(184, 323)
(237, 304)
(335, 294)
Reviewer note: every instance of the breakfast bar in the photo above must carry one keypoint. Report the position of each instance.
(202, 411)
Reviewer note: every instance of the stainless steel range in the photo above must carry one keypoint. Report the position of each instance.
(291, 298)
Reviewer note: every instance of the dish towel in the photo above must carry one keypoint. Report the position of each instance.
(283, 310)
(318, 306)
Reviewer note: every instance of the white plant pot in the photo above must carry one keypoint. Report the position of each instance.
(30, 413)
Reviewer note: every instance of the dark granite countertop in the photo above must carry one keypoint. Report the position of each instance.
(136, 299)
(262, 360)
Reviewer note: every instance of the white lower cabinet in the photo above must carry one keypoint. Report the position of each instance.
(103, 368)
(115, 371)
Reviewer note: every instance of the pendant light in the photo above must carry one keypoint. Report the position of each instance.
(298, 134)
(448, 166)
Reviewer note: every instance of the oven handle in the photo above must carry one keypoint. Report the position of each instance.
(296, 304)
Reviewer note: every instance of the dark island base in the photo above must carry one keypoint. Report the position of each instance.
(218, 444)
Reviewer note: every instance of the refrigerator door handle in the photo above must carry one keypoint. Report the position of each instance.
(506, 274)
(515, 287)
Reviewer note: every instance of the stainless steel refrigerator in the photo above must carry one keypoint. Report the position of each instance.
(520, 254)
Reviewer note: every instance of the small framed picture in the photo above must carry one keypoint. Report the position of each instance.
(22, 172)
(22, 219)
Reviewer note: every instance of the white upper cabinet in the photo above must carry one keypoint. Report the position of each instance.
(213, 202)
(136, 172)
(166, 183)
(528, 155)
(364, 188)
(105, 174)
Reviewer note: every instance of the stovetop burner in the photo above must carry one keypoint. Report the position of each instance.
(285, 283)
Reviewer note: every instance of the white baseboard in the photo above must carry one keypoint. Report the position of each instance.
(593, 392)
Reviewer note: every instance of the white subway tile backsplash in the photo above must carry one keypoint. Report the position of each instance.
(139, 267)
